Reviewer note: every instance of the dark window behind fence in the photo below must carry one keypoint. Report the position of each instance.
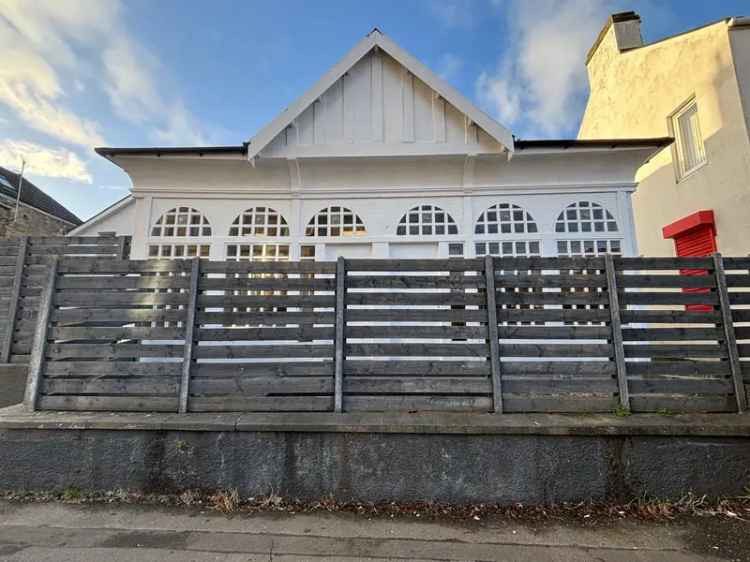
(573, 334)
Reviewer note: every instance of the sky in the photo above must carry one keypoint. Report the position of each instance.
(77, 74)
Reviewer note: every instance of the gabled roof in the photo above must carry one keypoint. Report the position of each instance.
(32, 196)
(103, 214)
(377, 39)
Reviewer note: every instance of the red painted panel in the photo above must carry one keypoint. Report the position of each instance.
(695, 236)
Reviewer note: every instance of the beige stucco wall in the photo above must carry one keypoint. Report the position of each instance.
(632, 95)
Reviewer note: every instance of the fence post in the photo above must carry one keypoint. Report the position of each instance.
(15, 296)
(729, 336)
(338, 361)
(616, 326)
(497, 390)
(187, 360)
(123, 251)
(39, 347)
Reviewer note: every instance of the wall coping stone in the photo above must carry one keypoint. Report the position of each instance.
(699, 425)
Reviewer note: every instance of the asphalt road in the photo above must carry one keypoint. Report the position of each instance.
(42, 532)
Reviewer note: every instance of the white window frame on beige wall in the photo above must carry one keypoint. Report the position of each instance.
(335, 221)
(182, 232)
(688, 150)
(427, 220)
(259, 221)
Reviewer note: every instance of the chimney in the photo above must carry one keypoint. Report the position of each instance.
(627, 32)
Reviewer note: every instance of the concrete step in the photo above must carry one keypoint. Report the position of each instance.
(12, 383)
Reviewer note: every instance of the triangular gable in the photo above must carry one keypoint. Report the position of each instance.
(423, 84)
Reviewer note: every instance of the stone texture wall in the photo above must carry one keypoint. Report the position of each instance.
(30, 223)
(377, 467)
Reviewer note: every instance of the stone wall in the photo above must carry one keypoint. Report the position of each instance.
(30, 223)
(372, 467)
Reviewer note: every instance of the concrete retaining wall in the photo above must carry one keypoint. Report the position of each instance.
(363, 466)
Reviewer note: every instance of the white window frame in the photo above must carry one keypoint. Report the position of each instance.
(678, 148)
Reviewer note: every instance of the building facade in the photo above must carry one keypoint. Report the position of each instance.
(693, 197)
(38, 213)
(383, 159)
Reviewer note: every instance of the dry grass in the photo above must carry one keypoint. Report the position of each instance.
(230, 502)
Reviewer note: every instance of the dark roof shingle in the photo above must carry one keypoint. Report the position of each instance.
(35, 197)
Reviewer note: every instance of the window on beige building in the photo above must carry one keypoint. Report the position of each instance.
(689, 151)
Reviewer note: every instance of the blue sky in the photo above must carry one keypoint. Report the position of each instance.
(83, 73)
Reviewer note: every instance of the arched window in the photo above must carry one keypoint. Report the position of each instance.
(585, 217)
(259, 221)
(505, 218)
(182, 222)
(335, 221)
(426, 220)
(589, 223)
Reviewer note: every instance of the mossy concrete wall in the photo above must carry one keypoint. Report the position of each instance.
(457, 468)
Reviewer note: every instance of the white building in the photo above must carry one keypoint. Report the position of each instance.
(380, 158)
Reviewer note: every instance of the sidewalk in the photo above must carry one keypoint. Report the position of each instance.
(120, 533)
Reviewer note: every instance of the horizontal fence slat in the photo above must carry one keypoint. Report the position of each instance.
(417, 403)
(124, 315)
(412, 367)
(416, 349)
(666, 281)
(692, 404)
(125, 333)
(101, 282)
(276, 369)
(672, 334)
(160, 386)
(265, 301)
(417, 385)
(301, 333)
(555, 350)
(104, 300)
(677, 367)
(56, 351)
(538, 280)
(260, 386)
(277, 318)
(111, 368)
(414, 282)
(415, 332)
(261, 404)
(414, 299)
(109, 403)
(250, 351)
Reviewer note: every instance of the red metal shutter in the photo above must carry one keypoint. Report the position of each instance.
(694, 235)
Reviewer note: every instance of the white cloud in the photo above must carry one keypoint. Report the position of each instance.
(30, 88)
(40, 42)
(449, 66)
(44, 161)
(541, 78)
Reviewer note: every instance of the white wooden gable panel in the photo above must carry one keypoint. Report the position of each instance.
(379, 107)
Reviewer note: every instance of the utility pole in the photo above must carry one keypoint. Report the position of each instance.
(20, 185)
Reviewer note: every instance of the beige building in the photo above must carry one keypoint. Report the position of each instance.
(693, 197)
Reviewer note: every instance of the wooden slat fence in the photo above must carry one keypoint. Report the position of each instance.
(594, 334)
(22, 274)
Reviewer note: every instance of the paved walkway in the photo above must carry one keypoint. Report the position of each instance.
(57, 532)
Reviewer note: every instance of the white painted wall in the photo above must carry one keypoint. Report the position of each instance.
(379, 103)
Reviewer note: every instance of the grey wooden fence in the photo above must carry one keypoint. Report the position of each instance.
(22, 273)
(485, 335)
